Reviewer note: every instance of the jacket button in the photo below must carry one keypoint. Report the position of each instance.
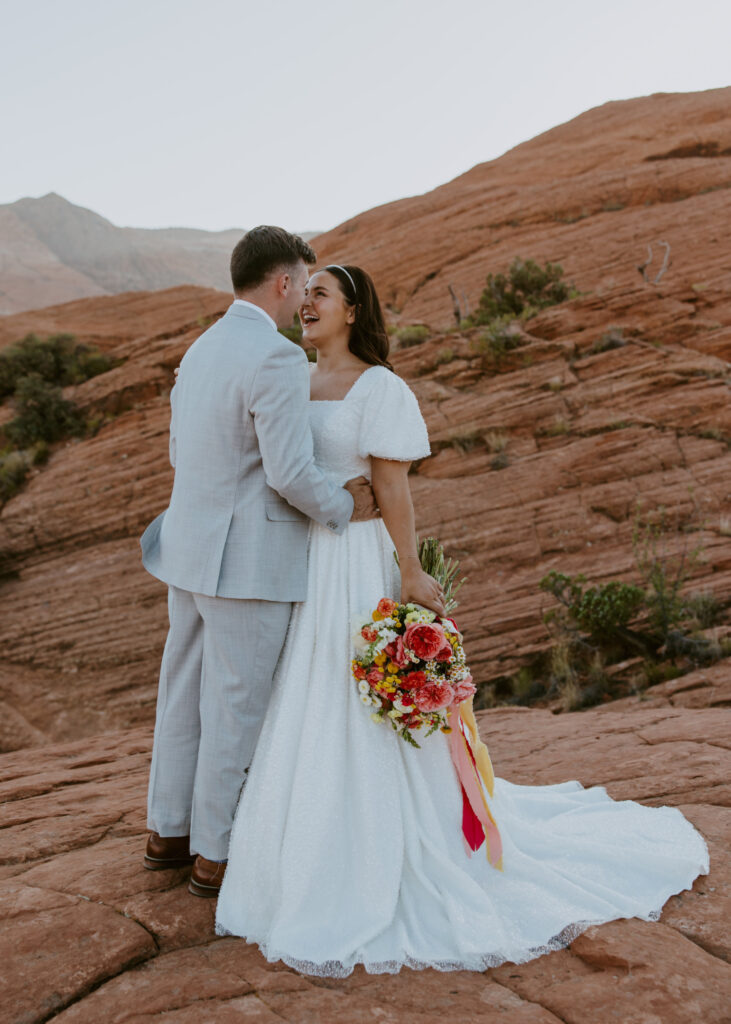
(332, 525)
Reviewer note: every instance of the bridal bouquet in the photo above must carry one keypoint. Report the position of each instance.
(410, 668)
(411, 672)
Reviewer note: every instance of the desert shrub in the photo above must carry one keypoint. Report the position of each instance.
(444, 356)
(500, 461)
(611, 339)
(526, 288)
(42, 413)
(57, 359)
(13, 471)
(600, 611)
(664, 574)
(704, 607)
(496, 341)
(410, 335)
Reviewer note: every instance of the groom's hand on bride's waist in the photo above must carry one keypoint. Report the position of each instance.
(364, 500)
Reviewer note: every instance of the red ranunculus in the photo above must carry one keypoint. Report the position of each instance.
(434, 697)
(414, 680)
(369, 634)
(386, 606)
(359, 672)
(425, 639)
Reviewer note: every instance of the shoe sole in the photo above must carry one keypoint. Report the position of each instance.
(207, 892)
(153, 864)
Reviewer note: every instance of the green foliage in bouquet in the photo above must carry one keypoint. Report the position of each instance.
(444, 570)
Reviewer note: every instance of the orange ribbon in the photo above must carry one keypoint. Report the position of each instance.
(474, 769)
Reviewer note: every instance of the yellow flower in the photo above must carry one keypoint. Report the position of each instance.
(380, 658)
(392, 680)
(392, 667)
(376, 616)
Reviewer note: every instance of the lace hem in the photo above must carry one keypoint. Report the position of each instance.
(477, 962)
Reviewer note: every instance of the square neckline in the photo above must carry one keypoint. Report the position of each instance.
(336, 401)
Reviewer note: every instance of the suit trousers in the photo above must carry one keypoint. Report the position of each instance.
(215, 684)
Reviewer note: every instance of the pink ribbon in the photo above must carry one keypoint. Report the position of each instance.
(478, 824)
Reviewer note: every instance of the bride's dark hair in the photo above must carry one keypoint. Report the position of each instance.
(368, 335)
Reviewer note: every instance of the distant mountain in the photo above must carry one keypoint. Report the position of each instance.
(52, 251)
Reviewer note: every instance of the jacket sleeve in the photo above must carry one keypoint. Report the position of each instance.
(172, 427)
(279, 404)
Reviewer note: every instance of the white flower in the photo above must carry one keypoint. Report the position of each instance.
(420, 615)
(366, 700)
(394, 714)
(402, 707)
(363, 686)
(375, 717)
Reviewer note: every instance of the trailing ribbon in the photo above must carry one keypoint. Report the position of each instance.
(474, 768)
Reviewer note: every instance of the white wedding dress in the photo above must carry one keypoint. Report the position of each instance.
(347, 845)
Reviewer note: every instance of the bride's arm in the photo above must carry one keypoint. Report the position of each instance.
(391, 487)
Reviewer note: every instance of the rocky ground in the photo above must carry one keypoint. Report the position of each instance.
(90, 936)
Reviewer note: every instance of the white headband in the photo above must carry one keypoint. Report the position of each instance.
(336, 266)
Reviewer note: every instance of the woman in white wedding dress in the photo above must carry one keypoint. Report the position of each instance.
(347, 846)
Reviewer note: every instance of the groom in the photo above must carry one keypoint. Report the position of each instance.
(232, 548)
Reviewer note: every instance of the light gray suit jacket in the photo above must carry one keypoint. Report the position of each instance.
(245, 479)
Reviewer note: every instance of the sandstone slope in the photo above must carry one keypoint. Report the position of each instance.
(90, 936)
(587, 435)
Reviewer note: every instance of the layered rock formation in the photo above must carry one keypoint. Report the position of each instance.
(90, 936)
(585, 434)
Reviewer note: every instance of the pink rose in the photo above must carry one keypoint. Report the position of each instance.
(397, 653)
(464, 690)
(374, 676)
(433, 697)
(445, 653)
(425, 639)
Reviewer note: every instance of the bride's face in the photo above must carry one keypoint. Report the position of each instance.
(325, 314)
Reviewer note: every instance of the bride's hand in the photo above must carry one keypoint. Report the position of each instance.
(418, 587)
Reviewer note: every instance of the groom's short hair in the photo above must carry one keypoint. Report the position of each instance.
(262, 251)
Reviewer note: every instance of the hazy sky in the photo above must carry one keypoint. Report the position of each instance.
(223, 113)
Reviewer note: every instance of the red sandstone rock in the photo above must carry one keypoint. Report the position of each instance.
(90, 935)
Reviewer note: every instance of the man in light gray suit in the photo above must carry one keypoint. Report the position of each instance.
(232, 548)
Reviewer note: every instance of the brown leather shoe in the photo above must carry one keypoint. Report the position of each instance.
(170, 852)
(206, 877)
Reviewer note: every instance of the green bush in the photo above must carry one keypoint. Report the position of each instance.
(524, 290)
(57, 359)
(494, 343)
(411, 334)
(13, 471)
(601, 611)
(42, 413)
(613, 338)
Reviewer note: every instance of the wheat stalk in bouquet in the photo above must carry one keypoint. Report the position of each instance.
(444, 570)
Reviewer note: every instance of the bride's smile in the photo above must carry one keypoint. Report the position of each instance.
(325, 314)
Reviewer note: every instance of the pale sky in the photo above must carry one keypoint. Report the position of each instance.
(229, 113)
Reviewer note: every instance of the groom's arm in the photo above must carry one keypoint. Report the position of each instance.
(279, 404)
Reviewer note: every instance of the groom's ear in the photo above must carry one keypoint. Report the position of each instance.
(283, 283)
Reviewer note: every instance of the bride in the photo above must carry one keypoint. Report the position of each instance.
(347, 845)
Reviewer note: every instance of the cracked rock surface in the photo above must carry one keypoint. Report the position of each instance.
(89, 935)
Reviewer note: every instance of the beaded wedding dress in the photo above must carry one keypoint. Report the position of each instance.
(347, 846)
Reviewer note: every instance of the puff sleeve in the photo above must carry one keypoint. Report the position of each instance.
(391, 426)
